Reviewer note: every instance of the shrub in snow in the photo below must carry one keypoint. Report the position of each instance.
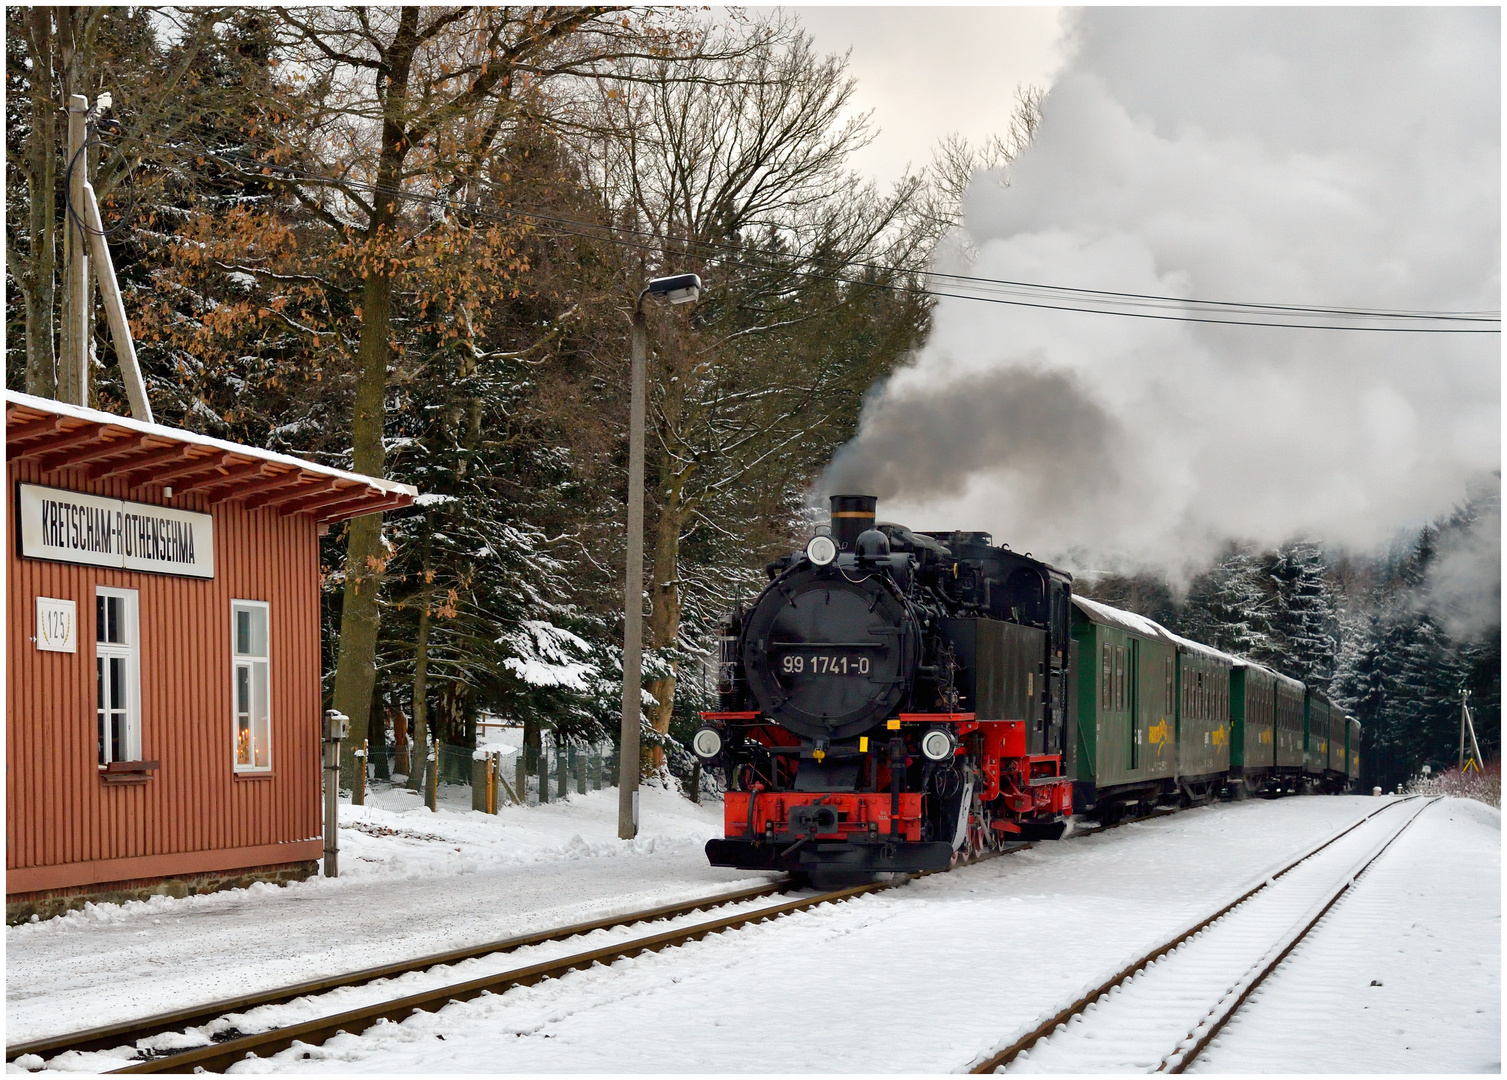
(1483, 786)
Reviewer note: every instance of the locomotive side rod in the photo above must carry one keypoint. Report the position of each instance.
(128, 1032)
(1011, 1052)
(219, 1057)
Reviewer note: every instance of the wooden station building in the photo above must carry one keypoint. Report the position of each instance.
(162, 726)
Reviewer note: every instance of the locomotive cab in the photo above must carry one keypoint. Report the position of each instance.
(892, 701)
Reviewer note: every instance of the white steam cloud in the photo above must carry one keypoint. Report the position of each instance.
(1342, 156)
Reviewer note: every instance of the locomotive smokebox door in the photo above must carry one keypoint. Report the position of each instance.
(828, 657)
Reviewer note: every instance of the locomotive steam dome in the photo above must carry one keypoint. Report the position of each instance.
(829, 652)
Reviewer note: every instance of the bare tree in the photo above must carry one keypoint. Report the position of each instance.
(737, 169)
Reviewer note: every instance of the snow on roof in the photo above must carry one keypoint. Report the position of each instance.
(1124, 620)
(1206, 650)
(62, 408)
(104, 444)
(1241, 661)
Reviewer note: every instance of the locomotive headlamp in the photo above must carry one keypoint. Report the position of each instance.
(707, 742)
(938, 745)
(821, 550)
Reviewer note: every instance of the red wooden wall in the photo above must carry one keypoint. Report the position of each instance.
(64, 825)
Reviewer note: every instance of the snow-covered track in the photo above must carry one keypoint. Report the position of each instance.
(1160, 1011)
(130, 1032)
(221, 1055)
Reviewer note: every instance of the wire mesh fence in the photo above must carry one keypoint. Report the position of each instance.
(501, 776)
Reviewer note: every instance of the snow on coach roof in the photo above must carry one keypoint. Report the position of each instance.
(102, 444)
(1123, 620)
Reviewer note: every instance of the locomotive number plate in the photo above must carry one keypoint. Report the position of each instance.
(820, 664)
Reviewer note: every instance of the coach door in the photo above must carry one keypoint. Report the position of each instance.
(1133, 674)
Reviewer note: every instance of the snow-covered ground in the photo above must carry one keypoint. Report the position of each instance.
(926, 978)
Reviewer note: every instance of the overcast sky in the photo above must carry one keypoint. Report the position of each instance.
(928, 71)
(1337, 156)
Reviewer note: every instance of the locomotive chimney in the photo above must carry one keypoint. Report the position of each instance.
(851, 515)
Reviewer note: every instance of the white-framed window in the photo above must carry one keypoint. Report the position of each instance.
(117, 659)
(250, 709)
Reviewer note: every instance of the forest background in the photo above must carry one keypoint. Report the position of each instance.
(408, 241)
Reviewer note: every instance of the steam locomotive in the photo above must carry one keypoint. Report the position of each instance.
(898, 701)
(892, 701)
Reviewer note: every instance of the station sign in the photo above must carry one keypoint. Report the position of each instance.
(69, 526)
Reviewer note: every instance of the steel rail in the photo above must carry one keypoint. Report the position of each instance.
(1214, 1023)
(1009, 1053)
(220, 1056)
(128, 1032)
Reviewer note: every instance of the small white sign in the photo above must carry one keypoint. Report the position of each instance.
(57, 625)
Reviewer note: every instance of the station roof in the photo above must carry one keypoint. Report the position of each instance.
(93, 445)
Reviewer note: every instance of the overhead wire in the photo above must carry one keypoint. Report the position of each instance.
(982, 289)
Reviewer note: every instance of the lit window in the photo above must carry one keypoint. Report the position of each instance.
(248, 685)
(117, 656)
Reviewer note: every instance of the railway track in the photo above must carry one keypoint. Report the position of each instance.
(130, 1032)
(1155, 1014)
(231, 1045)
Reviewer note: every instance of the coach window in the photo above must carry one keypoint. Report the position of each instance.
(1107, 676)
(248, 687)
(117, 660)
(1119, 677)
(1169, 684)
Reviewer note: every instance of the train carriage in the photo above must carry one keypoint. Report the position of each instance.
(1124, 752)
(1315, 735)
(1339, 725)
(1288, 733)
(1203, 723)
(1253, 707)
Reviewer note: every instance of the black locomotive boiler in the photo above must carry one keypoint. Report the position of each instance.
(892, 701)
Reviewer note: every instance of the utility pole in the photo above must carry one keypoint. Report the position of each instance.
(85, 236)
(73, 381)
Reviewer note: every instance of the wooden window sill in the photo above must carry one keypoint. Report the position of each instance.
(128, 772)
(255, 774)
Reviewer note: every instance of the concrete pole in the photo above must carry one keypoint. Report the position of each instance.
(633, 591)
(73, 385)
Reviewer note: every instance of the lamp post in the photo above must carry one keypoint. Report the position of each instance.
(679, 289)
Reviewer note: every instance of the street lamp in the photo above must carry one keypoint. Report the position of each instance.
(679, 289)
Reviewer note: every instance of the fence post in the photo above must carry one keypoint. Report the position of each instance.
(578, 769)
(696, 781)
(562, 781)
(432, 776)
(480, 782)
(520, 776)
(541, 769)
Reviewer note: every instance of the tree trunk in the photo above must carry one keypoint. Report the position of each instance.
(356, 665)
(377, 741)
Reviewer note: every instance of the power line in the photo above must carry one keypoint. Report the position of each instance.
(986, 290)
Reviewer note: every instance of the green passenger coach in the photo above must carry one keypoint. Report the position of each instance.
(1203, 717)
(1154, 718)
(1124, 751)
(1253, 708)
